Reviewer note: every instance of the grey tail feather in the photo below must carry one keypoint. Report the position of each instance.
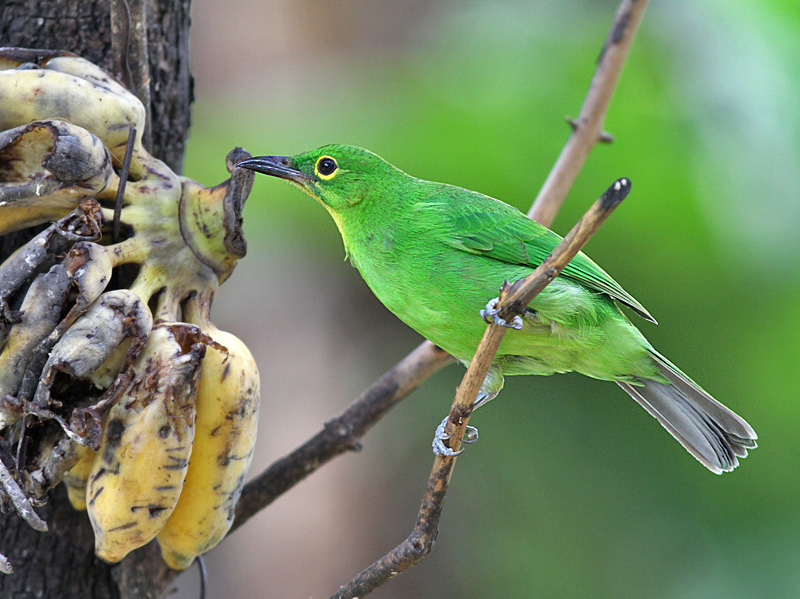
(712, 433)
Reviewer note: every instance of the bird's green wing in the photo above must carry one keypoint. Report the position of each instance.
(504, 234)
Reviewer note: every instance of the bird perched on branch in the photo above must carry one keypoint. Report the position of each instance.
(434, 254)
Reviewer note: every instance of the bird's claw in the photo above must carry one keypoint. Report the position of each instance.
(470, 435)
(439, 437)
(492, 315)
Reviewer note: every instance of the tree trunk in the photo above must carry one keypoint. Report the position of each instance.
(85, 28)
(61, 562)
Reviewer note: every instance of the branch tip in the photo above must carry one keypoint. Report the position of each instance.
(617, 192)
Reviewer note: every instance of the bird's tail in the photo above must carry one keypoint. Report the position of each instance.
(712, 433)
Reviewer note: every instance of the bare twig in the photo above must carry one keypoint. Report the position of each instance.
(587, 129)
(343, 432)
(513, 299)
(516, 296)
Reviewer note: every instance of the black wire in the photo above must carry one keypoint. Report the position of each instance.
(203, 576)
(123, 180)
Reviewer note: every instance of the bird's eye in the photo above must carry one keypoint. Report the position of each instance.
(326, 167)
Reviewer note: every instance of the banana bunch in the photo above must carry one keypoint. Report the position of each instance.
(113, 379)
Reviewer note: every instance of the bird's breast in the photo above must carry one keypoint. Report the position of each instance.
(425, 286)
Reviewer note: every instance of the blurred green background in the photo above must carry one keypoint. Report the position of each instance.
(573, 490)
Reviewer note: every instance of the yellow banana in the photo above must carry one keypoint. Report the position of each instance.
(85, 69)
(76, 479)
(30, 94)
(227, 417)
(138, 473)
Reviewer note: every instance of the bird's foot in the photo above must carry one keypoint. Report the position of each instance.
(491, 314)
(439, 437)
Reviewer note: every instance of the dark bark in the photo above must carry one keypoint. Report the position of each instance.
(80, 27)
(169, 67)
(85, 29)
(61, 562)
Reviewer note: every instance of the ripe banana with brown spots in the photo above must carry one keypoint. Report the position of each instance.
(225, 435)
(71, 87)
(138, 473)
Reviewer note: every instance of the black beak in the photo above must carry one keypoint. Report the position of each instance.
(277, 166)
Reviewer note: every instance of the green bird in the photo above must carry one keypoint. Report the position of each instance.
(434, 253)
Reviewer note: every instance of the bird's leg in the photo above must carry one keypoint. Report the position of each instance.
(491, 314)
(439, 437)
(489, 389)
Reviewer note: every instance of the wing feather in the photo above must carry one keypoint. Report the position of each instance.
(501, 232)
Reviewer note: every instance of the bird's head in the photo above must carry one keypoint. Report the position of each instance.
(339, 177)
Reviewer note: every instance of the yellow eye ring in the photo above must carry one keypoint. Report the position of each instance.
(326, 167)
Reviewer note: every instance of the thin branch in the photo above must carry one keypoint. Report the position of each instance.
(343, 432)
(587, 129)
(513, 299)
